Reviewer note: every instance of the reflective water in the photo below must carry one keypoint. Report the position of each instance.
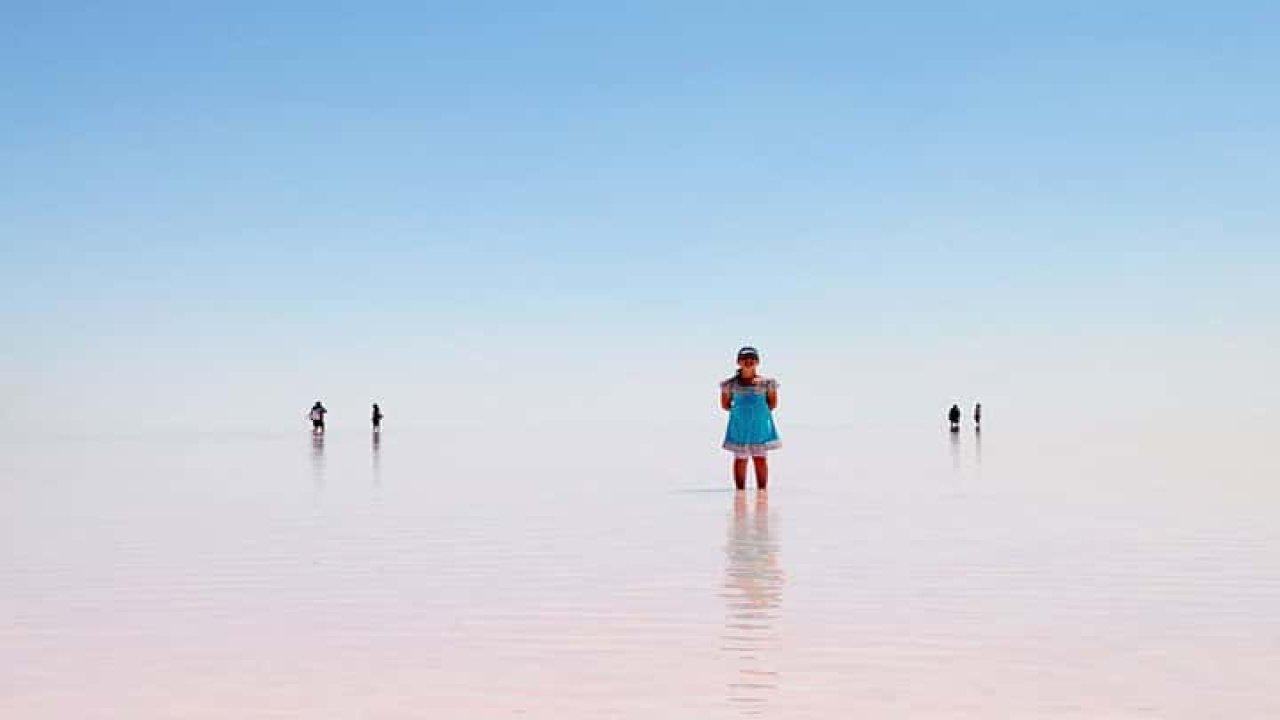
(907, 573)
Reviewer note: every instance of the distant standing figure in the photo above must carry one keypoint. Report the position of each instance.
(377, 418)
(977, 416)
(751, 434)
(954, 416)
(317, 418)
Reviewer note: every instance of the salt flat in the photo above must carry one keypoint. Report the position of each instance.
(1067, 573)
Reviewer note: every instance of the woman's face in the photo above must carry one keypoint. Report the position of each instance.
(748, 363)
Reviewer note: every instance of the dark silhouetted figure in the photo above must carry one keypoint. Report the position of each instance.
(954, 416)
(977, 416)
(317, 418)
(377, 418)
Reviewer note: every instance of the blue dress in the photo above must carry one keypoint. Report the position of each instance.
(751, 430)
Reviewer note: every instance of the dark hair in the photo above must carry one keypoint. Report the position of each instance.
(747, 351)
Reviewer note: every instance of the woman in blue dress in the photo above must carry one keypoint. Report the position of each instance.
(750, 400)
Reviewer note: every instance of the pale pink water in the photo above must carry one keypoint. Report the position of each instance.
(1077, 574)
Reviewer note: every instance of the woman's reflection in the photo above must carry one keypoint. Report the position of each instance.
(753, 595)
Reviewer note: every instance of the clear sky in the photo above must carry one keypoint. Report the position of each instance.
(213, 214)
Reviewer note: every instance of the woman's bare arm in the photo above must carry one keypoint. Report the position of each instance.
(771, 397)
(726, 400)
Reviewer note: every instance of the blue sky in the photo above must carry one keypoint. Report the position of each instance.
(210, 211)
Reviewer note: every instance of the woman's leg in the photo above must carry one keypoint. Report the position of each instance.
(762, 471)
(740, 473)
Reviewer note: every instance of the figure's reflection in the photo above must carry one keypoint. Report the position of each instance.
(317, 461)
(955, 450)
(977, 448)
(377, 459)
(753, 595)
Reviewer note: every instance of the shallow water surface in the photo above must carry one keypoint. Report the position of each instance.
(906, 573)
